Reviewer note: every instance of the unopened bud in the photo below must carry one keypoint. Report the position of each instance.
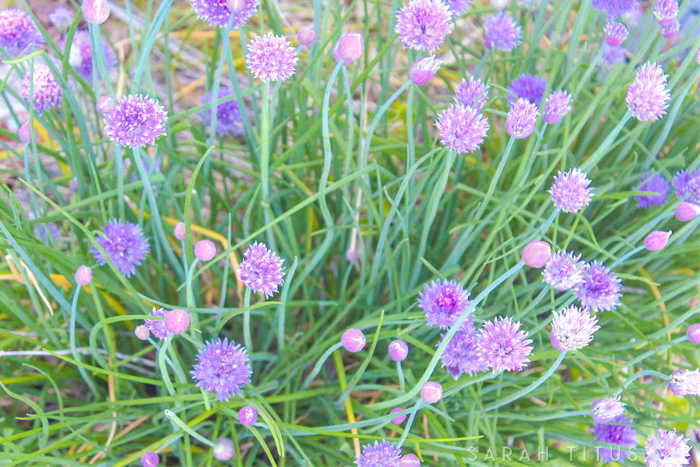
(306, 35)
(95, 11)
(657, 240)
(351, 46)
(537, 253)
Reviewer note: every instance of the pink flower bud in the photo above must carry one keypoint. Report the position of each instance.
(351, 46)
(410, 460)
(83, 276)
(106, 105)
(431, 392)
(180, 231)
(248, 415)
(400, 419)
(142, 332)
(537, 253)
(398, 351)
(338, 58)
(95, 11)
(177, 321)
(694, 333)
(25, 133)
(686, 211)
(224, 450)
(73, 185)
(423, 70)
(353, 340)
(235, 6)
(657, 240)
(150, 459)
(306, 35)
(205, 250)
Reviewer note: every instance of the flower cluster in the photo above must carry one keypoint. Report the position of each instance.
(666, 13)
(570, 191)
(619, 432)
(384, 454)
(271, 58)
(40, 88)
(687, 186)
(573, 328)
(423, 24)
(217, 13)
(125, 245)
(157, 326)
(615, 33)
(600, 288)
(80, 55)
(228, 114)
(462, 129)
(528, 87)
(563, 271)
(462, 354)
(521, 119)
(502, 32)
(503, 345)
(666, 449)
(472, 93)
(654, 183)
(262, 270)
(443, 303)
(222, 367)
(137, 121)
(18, 32)
(647, 96)
(557, 105)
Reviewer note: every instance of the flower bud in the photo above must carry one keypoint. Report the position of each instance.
(235, 6)
(338, 58)
(431, 392)
(657, 240)
(537, 253)
(205, 250)
(95, 11)
(685, 382)
(608, 409)
(306, 35)
(106, 105)
(353, 340)
(248, 415)
(351, 46)
(224, 450)
(423, 70)
(25, 133)
(142, 332)
(398, 351)
(180, 231)
(400, 419)
(555, 342)
(83, 276)
(686, 211)
(150, 459)
(177, 321)
(694, 333)
(73, 185)
(410, 460)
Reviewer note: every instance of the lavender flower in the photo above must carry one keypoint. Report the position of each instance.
(527, 87)
(61, 18)
(666, 12)
(228, 114)
(556, 106)
(613, 54)
(443, 303)
(458, 7)
(619, 432)
(687, 186)
(423, 24)
(384, 454)
(80, 55)
(685, 382)
(216, 13)
(600, 289)
(615, 33)
(222, 367)
(462, 353)
(423, 70)
(136, 122)
(671, 29)
(271, 58)
(157, 326)
(462, 129)
(608, 409)
(615, 8)
(503, 345)
(573, 329)
(655, 183)
(647, 96)
(262, 270)
(563, 270)
(667, 449)
(521, 119)
(125, 245)
(502, 32)
(41, 85)
(18, 32)
(472, 93)
(570, 191)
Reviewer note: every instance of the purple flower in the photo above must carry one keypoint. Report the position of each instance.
(671, 29)
(600, 289)
(615, 33)
(685, 382)
(458, 7)
(615, 8)
(222, 367)
(667, 449)
(527, 87)
(613, 54)
(647, 96)
(216, 13)
(521, 119)
(503, 345)
(423, 70)
(43, 87)
(570, 191)
(462, 353)
(619, 432)
(443, 303)
(384, 454)
(423, 24)
(125, 245)
(271, 57)
(502, 32)
(472, 93)
(556, 106)
(687, 186)
(228, 114)
(61, 17)
(80, 55)
(462, 129)
(573, 328)
(136, 122)
(18, 32)
(655, 183)
(666, 12)
(608, 409)
(157, 326)
(563, 270)
(261, 270)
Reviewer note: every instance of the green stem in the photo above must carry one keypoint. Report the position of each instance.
(163, 368)
(319, 365)
(187, 429)
(265, 159)
(247, 340)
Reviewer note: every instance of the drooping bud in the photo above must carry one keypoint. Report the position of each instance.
(431, 392)
(205, 250)
(177, 321)
(351, 46)
(106, 105)
(353, 340)
(537, 253)
(25, 133)
(83, 276)
(686, 211)
(306, 35)
(235, 6)
(423, 70)
(608, 409)
(657, 240)
(95, 11)
(142, 332)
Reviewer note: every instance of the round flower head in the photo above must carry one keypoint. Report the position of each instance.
(61, 17)
(570, 191)
(410, 460)
(228, 114)
(40, 88)
(472, 93)
(619, 432)
(666, 11)
(462, 353)
(83, 276)
(216, 13)
(502, 32)
(462, 129)
(398, 350)
(573, 329)
(95, 11)
(503, 345)
(423, 24)
(615, 33)
(157, 326)
(458, 7)
(261, 270)
(527, 87)
(306, 35)
(80, 55)
(125, 245)
(205, 250)
(350, 47)
(647, 96)
(556, 106)
(177, 321)
(685, 382)
(18, 32)
(600, 289)
(400, 419)
(655, 183)
(657, 240)
(667, 449)
(136, 122)
(222, 367)
(142, 332)
(248, 415)
(431, 392)
(536, 254)
(687, 186)
(423, 70)
(563, 270)
(150, 459)
(670, 30)
(384, 454)
(613, 54)
(608, 409)
(443, 302)
(271, 58)
(353, 340)
(224, 449)
(521, 119)
(615, 8)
